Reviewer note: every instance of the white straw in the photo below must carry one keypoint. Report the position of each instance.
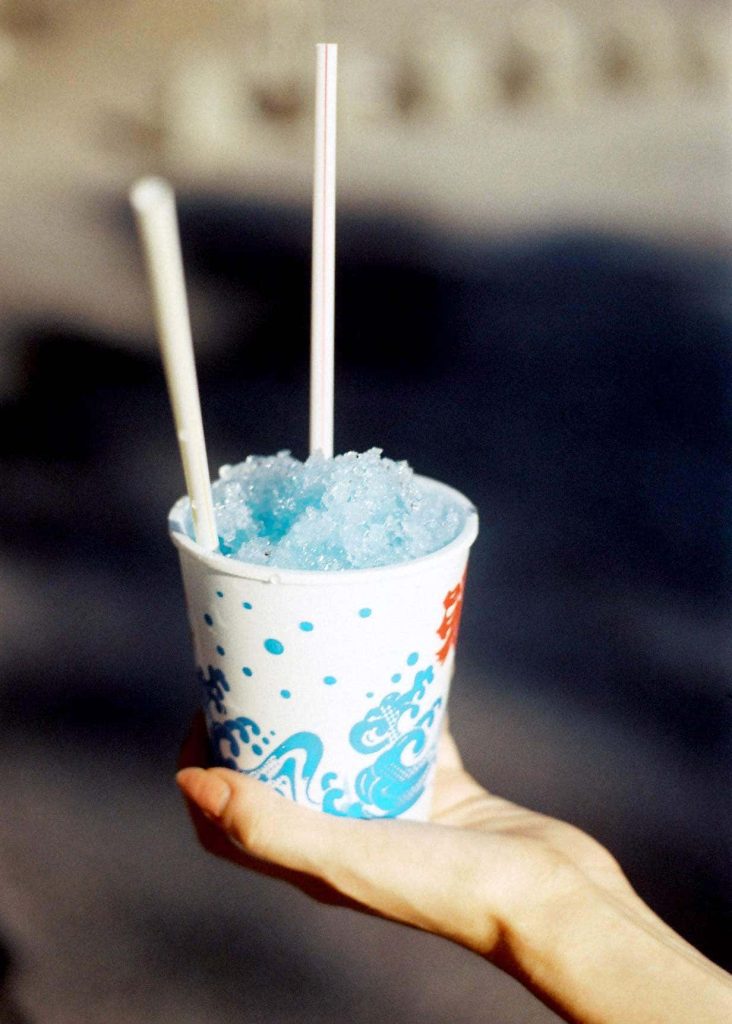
(153, 202)
(323, 271)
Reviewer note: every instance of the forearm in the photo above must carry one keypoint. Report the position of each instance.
(537, 897)
(598, 959)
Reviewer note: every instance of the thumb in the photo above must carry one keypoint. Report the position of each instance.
(430, 876)
(259, 821)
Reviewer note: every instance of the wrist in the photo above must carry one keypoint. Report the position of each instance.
(594, 956)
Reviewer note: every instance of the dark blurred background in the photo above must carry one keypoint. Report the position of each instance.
(557, 347)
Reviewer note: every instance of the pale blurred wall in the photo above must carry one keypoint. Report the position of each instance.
(481, 117)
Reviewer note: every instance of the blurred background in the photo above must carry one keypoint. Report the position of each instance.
(534, 304)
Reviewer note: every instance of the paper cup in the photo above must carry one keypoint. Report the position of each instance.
(328, 686)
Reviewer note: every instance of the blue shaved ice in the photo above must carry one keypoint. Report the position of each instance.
(354, 511)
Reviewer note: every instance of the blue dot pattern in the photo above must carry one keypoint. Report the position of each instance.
(387, 786)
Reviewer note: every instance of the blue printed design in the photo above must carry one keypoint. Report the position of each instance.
(213, 688)
(227, 738)
(398, 731)
(428, 719)
(291, 767)
(380, 727)
(390, 784)
(397, 738)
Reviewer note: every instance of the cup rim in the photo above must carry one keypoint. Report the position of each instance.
(325, 577)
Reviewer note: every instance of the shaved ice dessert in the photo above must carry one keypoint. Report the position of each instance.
(324, 597)
(354, 511)
(325, 625)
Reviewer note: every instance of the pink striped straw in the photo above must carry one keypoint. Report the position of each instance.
(323, 268)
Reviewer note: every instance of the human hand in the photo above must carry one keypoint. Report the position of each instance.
(473, 833)
(533, 894)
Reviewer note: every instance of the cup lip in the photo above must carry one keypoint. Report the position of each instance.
(325, 577)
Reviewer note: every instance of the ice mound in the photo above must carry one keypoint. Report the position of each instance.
(354, 511)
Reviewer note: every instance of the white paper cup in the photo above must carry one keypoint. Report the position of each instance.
(328, 686)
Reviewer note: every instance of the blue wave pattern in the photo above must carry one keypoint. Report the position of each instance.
(398, 730)
(229, 737)
(289, 768)
(213, 687)
(382, 725)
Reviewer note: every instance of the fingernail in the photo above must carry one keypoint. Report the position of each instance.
(206, 790)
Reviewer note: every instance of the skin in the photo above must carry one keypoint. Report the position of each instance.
(536, 896)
